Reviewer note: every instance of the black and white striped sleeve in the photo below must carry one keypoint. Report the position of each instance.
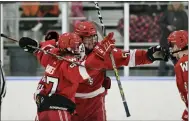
(2, 83)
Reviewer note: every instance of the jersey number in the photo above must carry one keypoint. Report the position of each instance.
(54, 82)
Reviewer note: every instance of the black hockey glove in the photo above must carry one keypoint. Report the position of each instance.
(173, 59)
(158, 53)
(106, 83)
(26, 43)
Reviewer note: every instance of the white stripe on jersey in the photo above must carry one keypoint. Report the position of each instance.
(51, 46)
(132, 58)
(83, 71)
(66, 116)
(90, 94)
(60, 115)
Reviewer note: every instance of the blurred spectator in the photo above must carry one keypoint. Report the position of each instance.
(47, 11)
(76, 11)
(143, 26)
(120, 27)
(9, 13)
(174, 18)
(155, 9)
(137, 9)
(150, 8)
(29, 9)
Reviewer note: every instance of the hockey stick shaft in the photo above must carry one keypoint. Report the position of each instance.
(113, 63)
(46, 52)
(100, 17)
(5, 36)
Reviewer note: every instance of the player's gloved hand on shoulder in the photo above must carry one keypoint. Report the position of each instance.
(158, 53)
(26, 43)
(105, 46)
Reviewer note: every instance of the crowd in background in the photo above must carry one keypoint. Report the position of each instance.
(153, 23)
(146, 21)
(38, 10)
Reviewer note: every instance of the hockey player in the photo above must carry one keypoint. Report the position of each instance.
(55, 95)
(90, 99)
(178, 41)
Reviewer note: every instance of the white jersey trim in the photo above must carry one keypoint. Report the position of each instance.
(60, 115)
(132, 58)
(90, 94)
(83, 71)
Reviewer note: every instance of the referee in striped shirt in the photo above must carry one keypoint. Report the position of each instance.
(2, 86)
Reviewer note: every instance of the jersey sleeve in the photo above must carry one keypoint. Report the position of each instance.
(43, 58)
(180, 84)
(122, 58)
(128, 58)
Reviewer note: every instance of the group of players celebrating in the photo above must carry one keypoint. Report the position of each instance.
(76, 92)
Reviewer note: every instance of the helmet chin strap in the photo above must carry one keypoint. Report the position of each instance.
(185, 48)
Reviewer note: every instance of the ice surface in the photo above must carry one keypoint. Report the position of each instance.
(147, 100)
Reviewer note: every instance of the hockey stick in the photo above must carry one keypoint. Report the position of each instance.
(52, 54)
(113, 63)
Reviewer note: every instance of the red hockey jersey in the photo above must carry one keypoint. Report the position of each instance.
(181, 71)
(57, 78)
(60, 77)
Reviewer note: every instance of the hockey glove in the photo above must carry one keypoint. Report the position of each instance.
(173, 59)
(158, 53)
(26, 43)
(105, 46)
(52, 35)
(106, 83)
